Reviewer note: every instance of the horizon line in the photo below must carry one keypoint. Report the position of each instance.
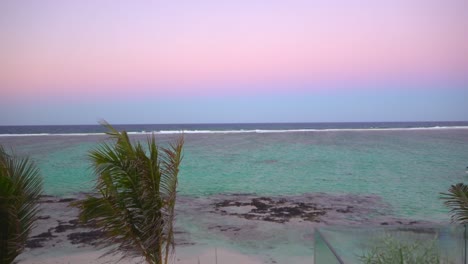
(242, 123)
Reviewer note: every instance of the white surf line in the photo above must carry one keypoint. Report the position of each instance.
(258, 131)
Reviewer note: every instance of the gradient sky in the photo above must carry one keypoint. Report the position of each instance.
(75, 62)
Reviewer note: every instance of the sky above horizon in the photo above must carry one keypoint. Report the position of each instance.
(207, 61)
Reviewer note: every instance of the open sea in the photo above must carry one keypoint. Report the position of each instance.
(406, 164)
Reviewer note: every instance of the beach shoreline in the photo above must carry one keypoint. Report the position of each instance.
(237, 228)
(58, 237)
(182, 256)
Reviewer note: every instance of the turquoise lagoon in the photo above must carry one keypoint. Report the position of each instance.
(406, 168)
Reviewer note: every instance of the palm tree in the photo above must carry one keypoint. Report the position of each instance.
(457, 200)
(136, 195)
(20, 190)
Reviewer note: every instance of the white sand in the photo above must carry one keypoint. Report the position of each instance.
(58, 248)
(213, 256)
(91, 257)
(205, 256)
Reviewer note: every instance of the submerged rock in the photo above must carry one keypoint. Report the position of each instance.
(245, 219)
(279, 209)
(90, 237)
(35, 243)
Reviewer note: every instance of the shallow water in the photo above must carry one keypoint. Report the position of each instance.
(408, 169)
(405, 169)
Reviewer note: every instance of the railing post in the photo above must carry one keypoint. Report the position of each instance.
(464, 225)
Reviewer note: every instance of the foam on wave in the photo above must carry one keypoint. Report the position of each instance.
(258, 131)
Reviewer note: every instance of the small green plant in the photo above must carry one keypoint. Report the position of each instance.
(20, 190)
(390, 250)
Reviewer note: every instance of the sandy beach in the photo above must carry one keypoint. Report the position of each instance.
(246, 228)
(95, 256)
(59, 238)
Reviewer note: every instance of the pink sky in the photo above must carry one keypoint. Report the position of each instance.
(101, 47)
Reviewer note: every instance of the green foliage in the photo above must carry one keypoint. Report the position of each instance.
(457, 200)
(20, 190)
(136, 195)
(390, 250)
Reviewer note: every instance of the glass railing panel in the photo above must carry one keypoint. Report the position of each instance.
(322, 252)
(424, 244)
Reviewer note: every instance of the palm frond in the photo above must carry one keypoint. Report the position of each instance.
(457, 200)
(20, 190)
(136, 195)
(170, 169)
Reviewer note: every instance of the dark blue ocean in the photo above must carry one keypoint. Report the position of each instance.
(138, 128)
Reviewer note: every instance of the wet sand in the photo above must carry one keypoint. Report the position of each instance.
(231, 228)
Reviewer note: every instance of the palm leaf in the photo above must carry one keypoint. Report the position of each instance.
(170, 164)
(20, 190)
(457, 200)
(136, 195)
